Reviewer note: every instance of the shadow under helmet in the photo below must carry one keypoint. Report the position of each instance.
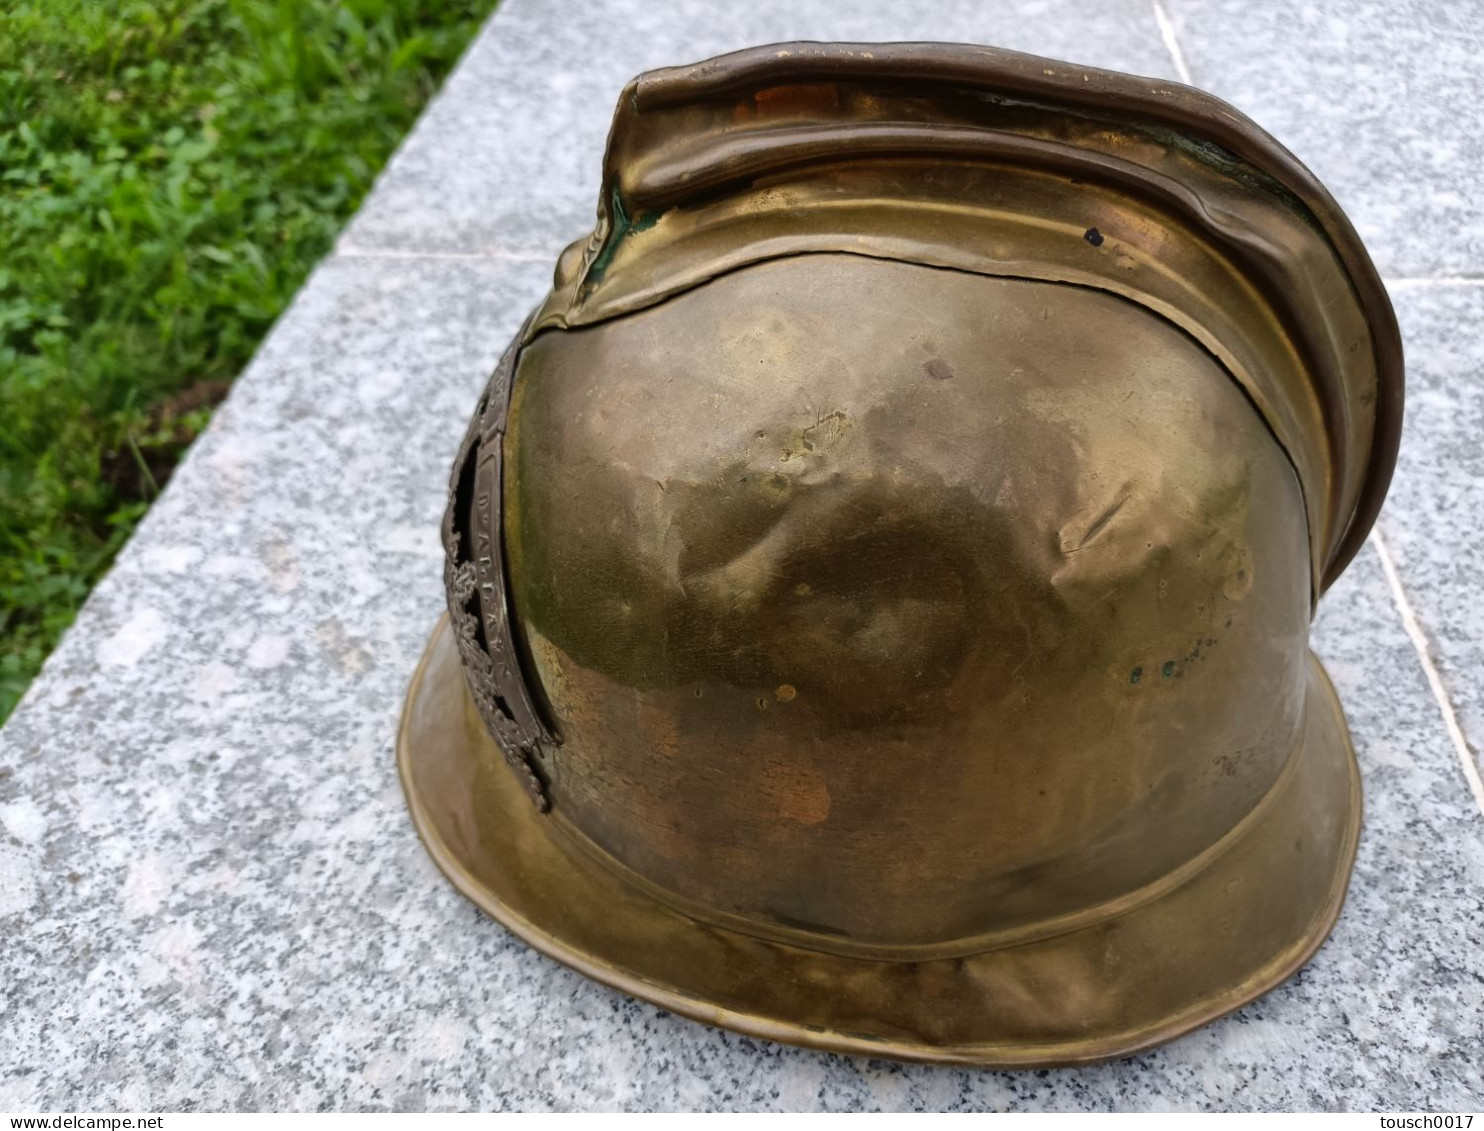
(880, 572)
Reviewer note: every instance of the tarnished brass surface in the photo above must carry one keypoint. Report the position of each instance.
(886, 560)
(1250, 917)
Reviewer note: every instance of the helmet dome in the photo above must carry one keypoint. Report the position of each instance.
(880, 571)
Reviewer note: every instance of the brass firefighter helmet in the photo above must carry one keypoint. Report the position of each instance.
(880, 572)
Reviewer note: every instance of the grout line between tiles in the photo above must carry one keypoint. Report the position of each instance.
(1414, 632)
(1171, 41)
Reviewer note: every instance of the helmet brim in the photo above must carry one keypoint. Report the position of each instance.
(1237, 927)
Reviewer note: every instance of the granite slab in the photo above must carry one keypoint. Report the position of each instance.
(506, 160)
(1380, 98)
(1434, 517)
(210, 894)
(213, 898)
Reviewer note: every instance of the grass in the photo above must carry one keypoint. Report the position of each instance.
(169, 174)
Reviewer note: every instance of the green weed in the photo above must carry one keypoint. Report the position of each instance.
(169, 174)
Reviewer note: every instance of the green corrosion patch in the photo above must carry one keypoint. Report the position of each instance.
(623, 226)
(1136, 675)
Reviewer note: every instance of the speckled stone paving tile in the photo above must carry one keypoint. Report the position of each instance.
(210, 894)
(213, 898)
(507, 158)
(1382, 99)
(1434, 518)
